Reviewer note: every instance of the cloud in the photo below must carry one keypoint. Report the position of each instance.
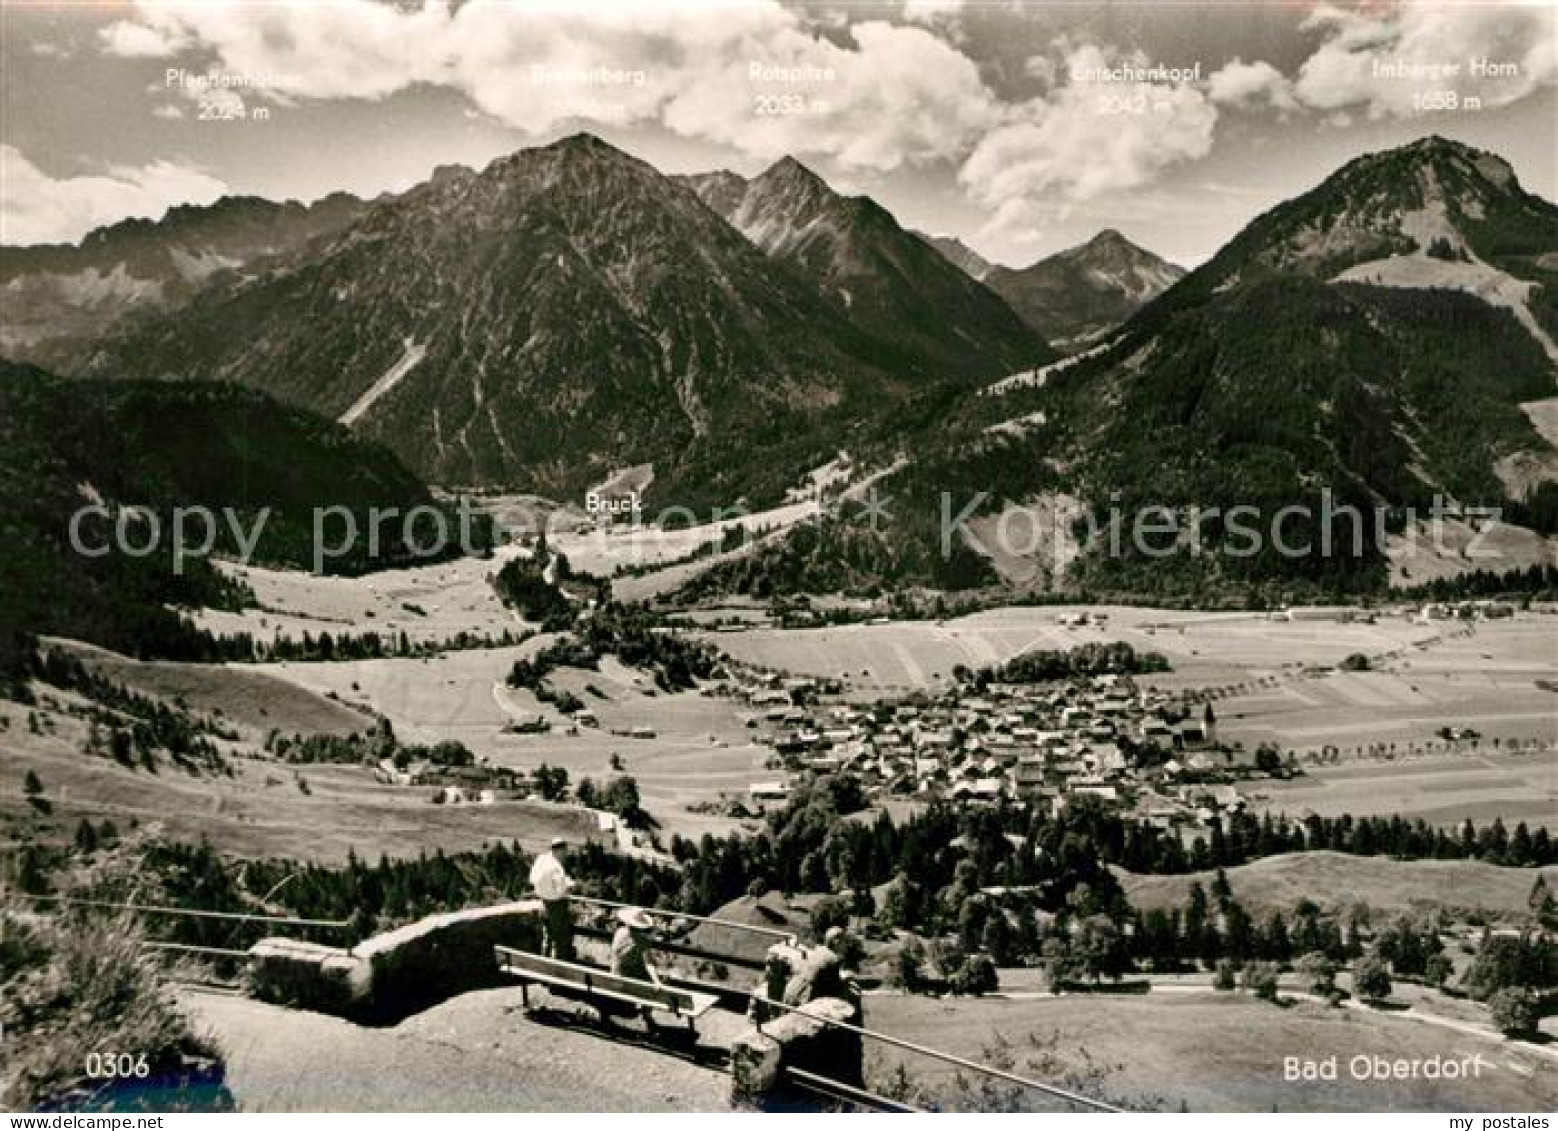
(899, 95)
(891, 94)
(1241, 84)
(151, 39)
(1085, 139)
(38, 208)
(944, 15)
(868, 95)
(1341, 73)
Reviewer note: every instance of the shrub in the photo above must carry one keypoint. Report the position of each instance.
(830, 912)
(1260, 978)
(1319, 973)
(1437, 970)
(1370, 979)
(1514, 1012)
(79, 980)
(906, 968)
(976, 975)
(1226, 975)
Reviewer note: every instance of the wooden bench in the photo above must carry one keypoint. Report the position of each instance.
(573, 979)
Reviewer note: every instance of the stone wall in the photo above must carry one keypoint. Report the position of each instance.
(759, 1056)
(390, 976)
(811, 979)
(290, 972)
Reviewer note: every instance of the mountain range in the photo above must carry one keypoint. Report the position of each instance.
(569, 311)
(1075, 296)
(1379, 340)
(1377, 336)
(889, 281)
(58, 296)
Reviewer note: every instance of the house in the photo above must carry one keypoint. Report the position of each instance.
(1192, 736)
(1227, 798)
(769, 793)
(1028, 775)
(390, 774)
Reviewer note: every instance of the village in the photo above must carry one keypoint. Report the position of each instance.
(1150, 754)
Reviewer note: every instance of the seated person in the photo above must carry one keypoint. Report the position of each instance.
(794, 974)
(630, 950)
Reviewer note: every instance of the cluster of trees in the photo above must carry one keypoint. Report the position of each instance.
(358, 748)
(131, 728)
(1239, 838)
(937, 858)
(551, 782)
(930, 861)
(366, 748)
(244, 647)
(617, 794)
(1536, 581)
(634, 636)
(1042, 665)
(523, 584)
(179, 639)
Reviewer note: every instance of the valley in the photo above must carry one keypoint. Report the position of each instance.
(1272, 679)
(1122, 817)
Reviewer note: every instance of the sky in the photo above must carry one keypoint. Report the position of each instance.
(1021, 128)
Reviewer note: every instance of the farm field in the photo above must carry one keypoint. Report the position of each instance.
(262, 810)
(253, 700)
(700, 747)
(1209, 1052)
(1204, 648)
(1336, 880)
(427, 603)
(1482, 676)
(1263, 672)
(1439, 789)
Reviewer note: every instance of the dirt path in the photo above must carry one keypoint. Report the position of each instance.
(474, 1053)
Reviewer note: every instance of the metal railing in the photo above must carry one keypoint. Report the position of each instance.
(899, 1042)
(194, 913)
(838, 1090)
(804, 1077)
(189, 948)
(771, 932)
(949, 1058)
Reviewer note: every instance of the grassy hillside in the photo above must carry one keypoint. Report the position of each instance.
(1332, 879)
(67, 444)
(1199, 1052)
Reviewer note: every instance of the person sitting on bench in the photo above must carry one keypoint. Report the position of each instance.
(630, 951)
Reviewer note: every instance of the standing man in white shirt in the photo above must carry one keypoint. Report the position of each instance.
(552, 884)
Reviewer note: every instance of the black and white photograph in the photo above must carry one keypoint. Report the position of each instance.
(778, 557)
